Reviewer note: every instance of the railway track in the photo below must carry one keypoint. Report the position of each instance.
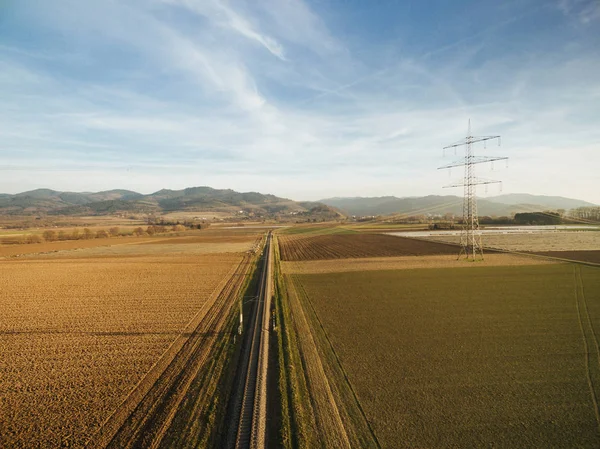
(147, 418)
(248, 416)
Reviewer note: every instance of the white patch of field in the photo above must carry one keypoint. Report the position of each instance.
(546, 241)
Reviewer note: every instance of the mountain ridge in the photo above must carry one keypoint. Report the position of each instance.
(202, 198)
(502, 205)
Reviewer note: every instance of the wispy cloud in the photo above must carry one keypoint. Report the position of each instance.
(586, 11)
(273, 96)
(219, 12)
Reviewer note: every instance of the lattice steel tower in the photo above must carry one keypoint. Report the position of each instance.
(470, 236)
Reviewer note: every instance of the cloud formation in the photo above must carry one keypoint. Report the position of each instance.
(299, 100)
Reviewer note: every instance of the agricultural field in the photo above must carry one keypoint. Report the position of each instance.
(13, 251)
(80, 329)
(478, 356)
(342, 246)
(404, 263)
(317, 229)
(591, 256)
(535, 241)
(205, 241)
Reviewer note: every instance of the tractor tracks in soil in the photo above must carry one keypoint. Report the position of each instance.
(590, 341)
(146, 415)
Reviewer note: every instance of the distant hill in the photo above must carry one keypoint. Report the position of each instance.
(549, 202)
(503, 205)
(201, 199)
(206, 199)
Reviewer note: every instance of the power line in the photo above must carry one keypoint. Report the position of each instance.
(470, 236)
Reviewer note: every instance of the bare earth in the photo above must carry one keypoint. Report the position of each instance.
(157, 250)
(49, 247)
(133, 246)
(76, 335)
(404, 263)
(547, 241)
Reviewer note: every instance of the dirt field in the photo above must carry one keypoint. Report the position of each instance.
(405, 263)
(342, 246)
(149, 249)
(205, 237)
(198, 216)
(76, 335)
(547, 241)
(583, 256)
(198, 242)
(41, 248)
(484, 357)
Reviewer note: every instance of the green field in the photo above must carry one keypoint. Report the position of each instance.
(469, 357)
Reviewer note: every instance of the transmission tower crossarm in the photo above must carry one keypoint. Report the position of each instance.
(476, 182)
(471, 140)
(471, 245)
(474, 160)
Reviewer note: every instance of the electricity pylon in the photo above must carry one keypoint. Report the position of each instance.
(470, 235)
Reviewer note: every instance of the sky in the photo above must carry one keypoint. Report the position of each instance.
(304, 99)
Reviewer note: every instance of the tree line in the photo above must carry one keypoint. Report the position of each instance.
(51, 235)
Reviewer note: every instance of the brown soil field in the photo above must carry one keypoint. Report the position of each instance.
(102, 220)
(405, 263)
(342, 246)
(197, 241)
(192, 215)
(546, 241)
(231, 230)
(65, 221)
(76, 336)
(144, 249)
(68, 245)
(8, 236)
(209, 238)
(582, 256)
(485, 357)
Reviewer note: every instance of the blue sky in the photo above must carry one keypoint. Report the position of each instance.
(300, 98)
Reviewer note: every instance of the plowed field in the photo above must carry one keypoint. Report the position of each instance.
(77, 335)
(344, 246)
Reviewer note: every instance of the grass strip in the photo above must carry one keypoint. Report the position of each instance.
(297, 425)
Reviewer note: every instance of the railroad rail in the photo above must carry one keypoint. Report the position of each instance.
(249, 426)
